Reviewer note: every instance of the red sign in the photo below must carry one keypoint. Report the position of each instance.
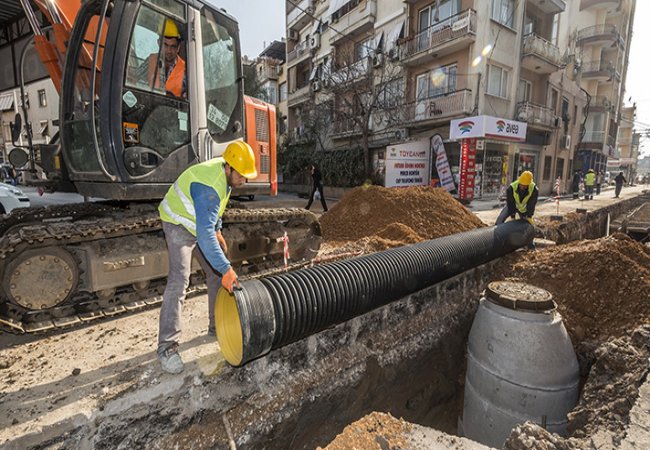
(467, 169)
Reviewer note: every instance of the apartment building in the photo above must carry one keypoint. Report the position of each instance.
(628, 145)
(553, 70)
(271, 74)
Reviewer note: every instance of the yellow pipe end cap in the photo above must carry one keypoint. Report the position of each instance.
(229, 332)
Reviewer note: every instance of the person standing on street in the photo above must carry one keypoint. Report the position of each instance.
(521, 198)
(619, 180)
(317, 185)
(590, 182)
(191, 214)
(575, 183)
(600, 177)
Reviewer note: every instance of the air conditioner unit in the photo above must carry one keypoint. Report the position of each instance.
(293, 34)
(401, 134)
(316, 85)
(565, 142)
(393, 54)
(314, 41)
(378, 60)
(326, 82)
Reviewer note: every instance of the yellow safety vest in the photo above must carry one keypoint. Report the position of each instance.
(178, 207)
(521, 203)
(590, 179)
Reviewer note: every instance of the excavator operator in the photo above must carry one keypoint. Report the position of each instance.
(170, 70)
(191, 212)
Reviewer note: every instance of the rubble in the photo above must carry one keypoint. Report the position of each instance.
(376, 431)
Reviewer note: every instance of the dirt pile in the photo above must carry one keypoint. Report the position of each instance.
(601, 287)
(375, 431)
(381, 218)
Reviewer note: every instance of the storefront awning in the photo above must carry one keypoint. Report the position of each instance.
(488, 127)
(6, 101)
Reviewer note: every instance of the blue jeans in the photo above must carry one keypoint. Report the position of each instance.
(589, 192)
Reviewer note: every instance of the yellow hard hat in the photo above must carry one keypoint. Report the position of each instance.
(171, 29)
(526, 178)
(239, 155)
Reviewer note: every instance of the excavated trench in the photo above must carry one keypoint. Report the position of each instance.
(406, 358)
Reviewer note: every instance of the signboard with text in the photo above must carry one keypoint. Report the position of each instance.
(408, 164)
(467, 169)
(442, 163)
(488, 127)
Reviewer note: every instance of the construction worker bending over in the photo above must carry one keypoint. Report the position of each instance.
(521, 198)
(191, 212)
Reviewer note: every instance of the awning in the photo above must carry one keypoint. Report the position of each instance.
(314, 71)
(43, 130)
(394, 34)
(335, 5)
(378, 40)
(316, 28)
(6, 101)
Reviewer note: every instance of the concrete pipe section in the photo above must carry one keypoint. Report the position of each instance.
(520, 365)
(272, 312)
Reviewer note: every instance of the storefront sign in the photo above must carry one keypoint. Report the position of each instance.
(408, 164)
(488, 127)
(442, 164)
(467, 169)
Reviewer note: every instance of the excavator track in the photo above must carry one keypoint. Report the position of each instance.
(49, 259)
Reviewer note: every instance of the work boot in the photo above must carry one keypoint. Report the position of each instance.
(171, 360)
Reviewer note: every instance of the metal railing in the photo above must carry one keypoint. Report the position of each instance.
(584, 4)
(601, 102)
(298, 51)
(268, 72)
(350, 73)
(442, 106)
(346, 125)
(299, 95)
(599, 137)
(298, 10)
(454, 27)
(537, 45)
(535, 114)
(603, 29)
(597, 66)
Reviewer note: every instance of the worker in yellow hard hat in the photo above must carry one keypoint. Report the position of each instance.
(590, 182)
(191, 212)
(166, 69)
(521, 198)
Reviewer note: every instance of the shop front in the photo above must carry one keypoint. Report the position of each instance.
(486, 145)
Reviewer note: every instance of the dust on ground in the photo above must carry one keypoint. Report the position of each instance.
(374, 218)
(375, 431)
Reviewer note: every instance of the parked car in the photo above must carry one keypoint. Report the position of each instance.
(11, 198)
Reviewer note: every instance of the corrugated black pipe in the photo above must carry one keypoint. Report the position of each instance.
(271, 312)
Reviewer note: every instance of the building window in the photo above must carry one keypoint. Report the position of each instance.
(565, 110)
(343, 10)
(555, 33)
(575, 114)
(554, 95)
(363, 49)
(524, 91)
(437, 82)
(503, 11)
(392, 93)
(559, 168)
(497, 81)
(445, 10)
(283, 92)
(26, 100)
(42, 99)
(548, 161)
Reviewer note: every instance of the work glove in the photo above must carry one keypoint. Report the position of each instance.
(512, 217)
(229, 280)
(222, 242)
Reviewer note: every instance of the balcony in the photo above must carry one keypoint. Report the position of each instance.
(549, 6)
(439, 109)
(600, 103)
(602, 71)
(300, 95)
(598, 140)
(603, 34)
(298, 53)
(298, 17)
(537, 116)
(345, 128)
(540, 56)
(443, 38)
(269, 73)
(357, 21)
(609, 5)
(298, 135)
(341, 79)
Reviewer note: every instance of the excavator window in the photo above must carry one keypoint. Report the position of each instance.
(220, 74)
(155, 110)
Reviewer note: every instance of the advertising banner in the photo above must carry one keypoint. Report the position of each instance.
(488, 127)
(442, 164)
(408, 164)
(467, 169)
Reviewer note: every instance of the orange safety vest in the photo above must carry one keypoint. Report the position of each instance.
(174, 83)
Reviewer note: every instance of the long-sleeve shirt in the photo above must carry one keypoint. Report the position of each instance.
(206, 205)
(530, 205)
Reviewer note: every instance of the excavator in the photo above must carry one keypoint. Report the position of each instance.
(125, 138)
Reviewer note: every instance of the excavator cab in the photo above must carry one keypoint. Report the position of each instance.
(149, 88)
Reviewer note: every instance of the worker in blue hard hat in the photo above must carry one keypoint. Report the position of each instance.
(521, 199)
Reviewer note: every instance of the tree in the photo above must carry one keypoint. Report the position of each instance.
(252, 85)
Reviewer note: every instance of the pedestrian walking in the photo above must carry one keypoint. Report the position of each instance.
(590, 182)
(317, 186)
(600, 177)
(191, 212)
(619, 180)
(575, 183)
